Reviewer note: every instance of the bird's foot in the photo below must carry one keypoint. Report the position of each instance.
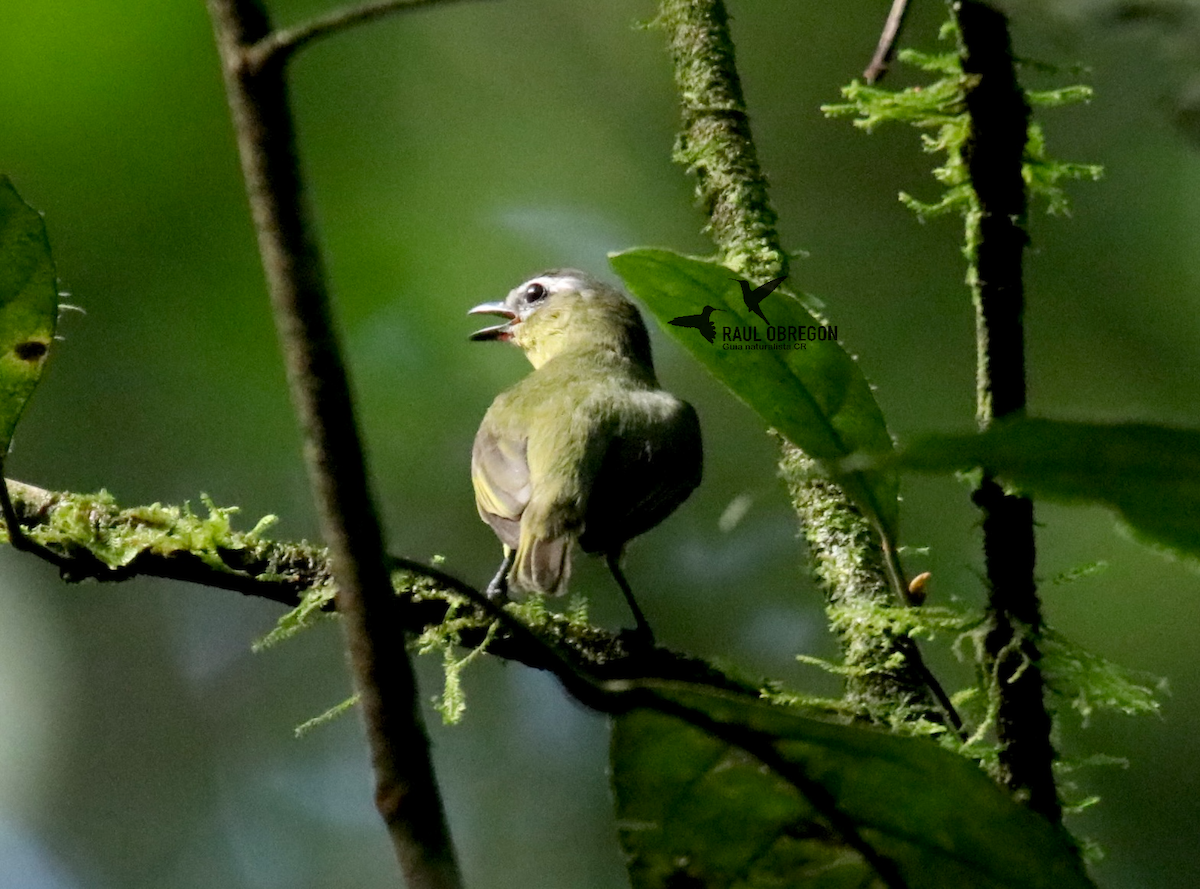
(497, 590)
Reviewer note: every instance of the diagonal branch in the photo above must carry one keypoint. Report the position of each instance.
(280, 45)
(890, 682)
(406, 792)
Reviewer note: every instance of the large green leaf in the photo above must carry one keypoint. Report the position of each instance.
(695, 809)
(28, 305)
(1149, 474)
(816, 396)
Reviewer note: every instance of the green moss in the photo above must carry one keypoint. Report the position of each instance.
(1087, 682)
(116, 537)
(313, 608)
(327, 717)
(940, 105)
(446, 638)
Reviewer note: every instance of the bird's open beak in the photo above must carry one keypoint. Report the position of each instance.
(500, 331)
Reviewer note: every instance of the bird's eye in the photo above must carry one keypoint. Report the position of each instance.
(536, 292)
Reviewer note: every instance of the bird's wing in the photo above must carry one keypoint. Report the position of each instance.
(529, 464)
(651, 465)
(500, 474)
(565, 445)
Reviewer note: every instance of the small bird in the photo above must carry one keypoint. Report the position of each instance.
(753, 298)
(701, 322)
(587, 448)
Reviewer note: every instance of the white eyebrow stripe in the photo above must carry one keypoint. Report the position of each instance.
(557, 283)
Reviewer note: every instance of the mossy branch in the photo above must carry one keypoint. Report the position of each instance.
(715, 142)
(717, 145)
(886, 678)
(93, 538)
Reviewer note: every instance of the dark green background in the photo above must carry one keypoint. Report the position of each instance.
(450, 154)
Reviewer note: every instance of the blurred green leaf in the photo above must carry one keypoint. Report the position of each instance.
(28, 305)
(1149, 474)
(695, 810)
(817, 396)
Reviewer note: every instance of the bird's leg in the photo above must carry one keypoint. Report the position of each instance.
(642, 631)
(498, 588)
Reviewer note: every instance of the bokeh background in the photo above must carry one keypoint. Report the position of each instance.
(450, 154)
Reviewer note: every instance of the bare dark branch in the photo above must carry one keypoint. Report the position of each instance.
(887, 42)
(406, 792)
(280, 45)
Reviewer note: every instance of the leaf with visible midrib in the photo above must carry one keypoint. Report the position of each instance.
(696, 810)
(1149, 474)
(816, 396)
(28, 305)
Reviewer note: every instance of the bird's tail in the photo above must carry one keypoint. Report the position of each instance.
(543, 565)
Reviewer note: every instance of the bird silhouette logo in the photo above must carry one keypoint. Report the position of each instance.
(700, 322)
(753, 298)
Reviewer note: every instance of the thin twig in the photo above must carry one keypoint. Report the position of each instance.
(995, 152)
(280, 45)
(406, 792)
(887, 42)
